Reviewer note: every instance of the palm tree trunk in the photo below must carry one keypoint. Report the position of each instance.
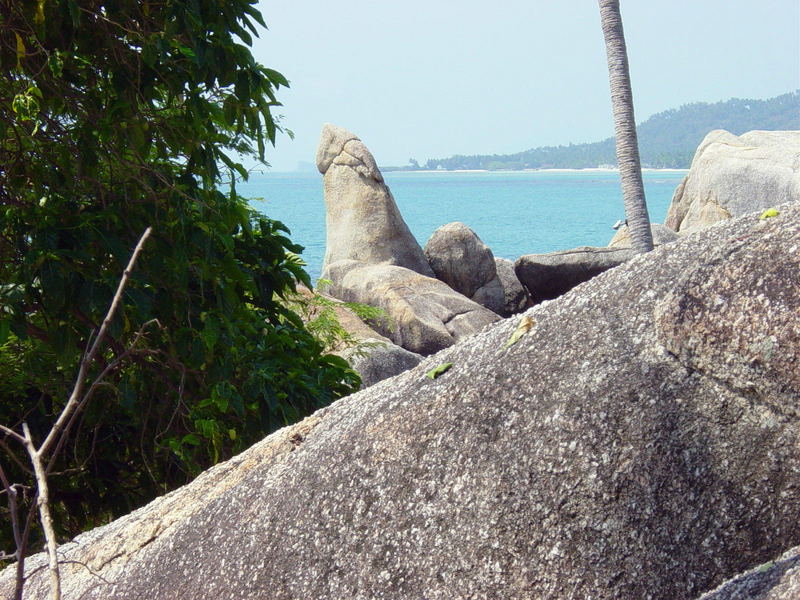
(630, 168)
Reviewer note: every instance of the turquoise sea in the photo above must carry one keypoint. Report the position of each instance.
(514, 213)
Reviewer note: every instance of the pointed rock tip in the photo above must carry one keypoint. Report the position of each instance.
(331, 144)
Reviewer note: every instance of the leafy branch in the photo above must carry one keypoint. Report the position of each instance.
(43, 457)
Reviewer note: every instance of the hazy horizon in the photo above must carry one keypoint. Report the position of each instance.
(427, 81)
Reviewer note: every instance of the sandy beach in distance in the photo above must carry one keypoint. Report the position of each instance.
(586, 170)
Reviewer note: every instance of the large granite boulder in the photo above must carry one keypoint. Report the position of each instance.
(373, 356)
(661, 235)
(515, 297)
(777, 579)
(608, 453)
(736, 175)
(362, 219)
(424, 314)
(375, 360)
(460, 259)
(548, 276)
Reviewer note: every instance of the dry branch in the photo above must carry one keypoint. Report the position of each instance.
(42, 463)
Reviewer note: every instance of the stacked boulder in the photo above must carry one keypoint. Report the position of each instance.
(455, 286)
(368, 352)
(372, 258)
(549, 276)
(460, 259)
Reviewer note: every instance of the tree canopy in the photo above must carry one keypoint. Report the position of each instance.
(116, 115)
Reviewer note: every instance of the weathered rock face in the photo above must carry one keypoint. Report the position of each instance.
(661, 235)
(374, 357)
(376, 360)
(459, 258)
(602, 455)
(425, 314)
(733, 175)
(548, 276)
(492, 296)
(362, 219)
(778, 579)
(515, 297)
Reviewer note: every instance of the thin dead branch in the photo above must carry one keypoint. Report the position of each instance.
(43, 457)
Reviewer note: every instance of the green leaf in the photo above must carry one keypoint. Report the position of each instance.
(221, 404)
(210, 332)
(438, 370)
(191, 439)
(20, 50)
(38, 17)
(56, 63)
(276, 77)
(769, 213)
(524, 326)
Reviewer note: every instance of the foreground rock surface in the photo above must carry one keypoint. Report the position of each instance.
(424, 314)
(735, 175)
(605, 454)
(548, 276)
(362, 219)
(777, 579)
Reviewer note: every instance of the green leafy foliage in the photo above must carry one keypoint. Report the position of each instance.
(322, 317)
(114, 116)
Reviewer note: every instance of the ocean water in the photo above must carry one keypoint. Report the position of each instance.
(514, 213)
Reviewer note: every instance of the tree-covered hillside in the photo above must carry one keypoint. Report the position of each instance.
(667, 139)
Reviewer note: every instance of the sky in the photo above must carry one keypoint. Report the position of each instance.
(432, 78)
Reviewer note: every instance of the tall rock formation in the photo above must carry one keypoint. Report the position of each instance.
(372, 258)
(362, 219)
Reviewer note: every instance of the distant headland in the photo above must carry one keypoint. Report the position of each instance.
(666, 140)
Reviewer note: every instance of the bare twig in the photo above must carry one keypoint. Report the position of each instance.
(80, 382)
(12, 434)
(23, 552)
(45, 516)
(14, 458)
(12, 505)
(95, 384)
(43, 459)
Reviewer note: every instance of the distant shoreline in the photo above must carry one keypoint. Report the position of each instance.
(584, 170)
(418, 171)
